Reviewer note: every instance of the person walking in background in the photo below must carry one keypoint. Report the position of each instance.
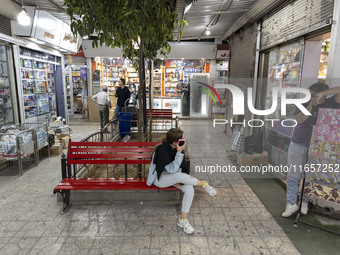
(102, 99)
(122, 93)
(298, 148)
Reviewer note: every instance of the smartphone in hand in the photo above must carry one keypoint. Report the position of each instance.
(181, 142)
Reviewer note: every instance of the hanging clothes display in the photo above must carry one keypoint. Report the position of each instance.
(323, 173)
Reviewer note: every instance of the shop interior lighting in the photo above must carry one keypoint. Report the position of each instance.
(23, 17)
(207, 32)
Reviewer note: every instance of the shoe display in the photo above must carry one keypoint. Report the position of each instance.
(186, 226)
(210, 190)
(304, 208)
(290, 210)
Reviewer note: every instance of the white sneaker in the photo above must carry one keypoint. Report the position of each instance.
(304, 208)
(290, 209)
(210, 190)
(188, 229)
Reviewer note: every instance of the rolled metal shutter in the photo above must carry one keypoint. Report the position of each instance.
(295, 19)
(5, 25)
(242, 63)
(242, 53)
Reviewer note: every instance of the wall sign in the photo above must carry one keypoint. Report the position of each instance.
(47, 28)
(222, 54)
(67, 40)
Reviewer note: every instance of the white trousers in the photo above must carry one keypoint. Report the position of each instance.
(166, 180)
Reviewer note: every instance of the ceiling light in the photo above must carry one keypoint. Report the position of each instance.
(23, 18)
(207, 32)
(187, 8)
(188, 5)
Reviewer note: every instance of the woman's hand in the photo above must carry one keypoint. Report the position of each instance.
(181, 148)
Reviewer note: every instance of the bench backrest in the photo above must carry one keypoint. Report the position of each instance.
(110, 152)
(160, 113)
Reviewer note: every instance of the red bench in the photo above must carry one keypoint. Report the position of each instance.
(160, 113)
(162, 119)
(103, 153)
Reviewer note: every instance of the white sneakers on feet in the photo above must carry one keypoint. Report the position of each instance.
(304, 208)
(290, 210)
(210, 190)
(187, 228)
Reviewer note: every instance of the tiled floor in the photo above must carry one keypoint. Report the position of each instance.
(233, 222)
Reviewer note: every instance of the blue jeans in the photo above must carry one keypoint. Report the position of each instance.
(118, 110)
(297, 156)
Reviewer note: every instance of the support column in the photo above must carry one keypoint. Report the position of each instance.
(333, 74)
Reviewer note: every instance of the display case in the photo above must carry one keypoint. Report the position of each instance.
(221, 69)
(6, 107)
(37, 73)
(17, 143)
(284, 72)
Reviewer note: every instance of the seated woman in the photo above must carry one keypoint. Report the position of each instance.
(166, 170)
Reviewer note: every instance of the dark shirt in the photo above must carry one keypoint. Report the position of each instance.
(123, 95)
(302, 132)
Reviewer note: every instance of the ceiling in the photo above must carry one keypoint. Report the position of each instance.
(205, 12)
(221, 14)
(55, 7)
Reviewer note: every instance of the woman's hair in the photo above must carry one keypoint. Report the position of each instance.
(173, 135)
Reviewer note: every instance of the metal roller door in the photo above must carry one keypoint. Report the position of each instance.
(5, 26)
(295, 19)
(242, 63)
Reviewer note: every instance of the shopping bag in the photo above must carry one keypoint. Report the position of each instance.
(238, 142)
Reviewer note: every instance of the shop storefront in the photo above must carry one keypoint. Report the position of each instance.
(39, 65)
(171, 77)
(76, 72)
(296, 57)
(171, 80)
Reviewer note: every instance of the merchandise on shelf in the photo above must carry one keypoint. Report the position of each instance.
(8, 144)
(38, 84)
(284, 71)
(324, 60)
(6, 112)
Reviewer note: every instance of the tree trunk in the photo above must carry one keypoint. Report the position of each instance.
(145, 122)
(150, 98)
(140, 90)
(140, 101)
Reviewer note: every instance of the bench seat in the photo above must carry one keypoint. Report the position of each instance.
(106, 184)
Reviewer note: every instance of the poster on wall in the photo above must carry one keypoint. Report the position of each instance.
(323, 177)
(174, 104)
(83, 82)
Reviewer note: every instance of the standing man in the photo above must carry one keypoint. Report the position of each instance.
(298, 148)
(123, 93)
(102, 99)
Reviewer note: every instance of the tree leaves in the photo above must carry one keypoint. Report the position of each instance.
(126, 21)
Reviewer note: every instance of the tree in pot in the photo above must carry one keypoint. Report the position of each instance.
(141, 28)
